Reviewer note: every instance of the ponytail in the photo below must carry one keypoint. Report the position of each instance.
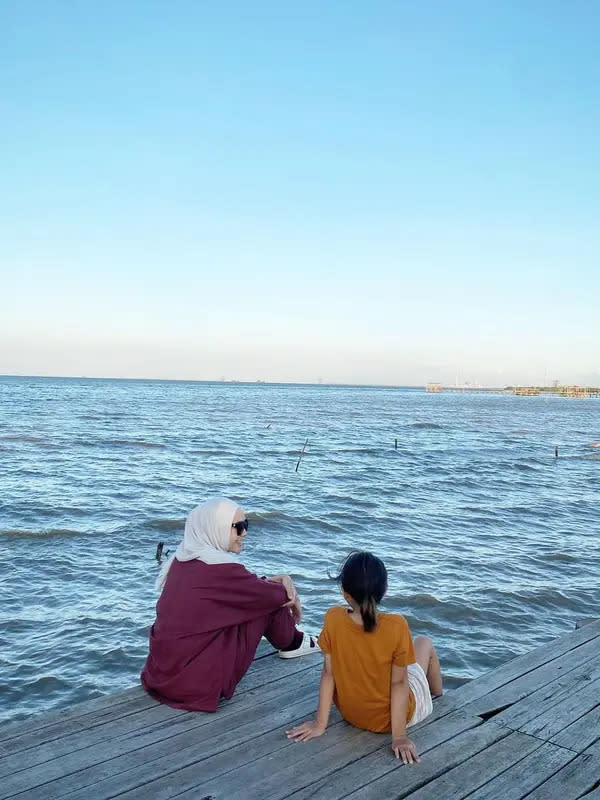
(368, 613)
(364, 577)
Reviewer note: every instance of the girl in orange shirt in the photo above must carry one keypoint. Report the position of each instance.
(377, 677)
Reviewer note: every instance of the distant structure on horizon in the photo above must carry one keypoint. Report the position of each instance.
(528, 391)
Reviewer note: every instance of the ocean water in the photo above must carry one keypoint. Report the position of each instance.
(492, 543)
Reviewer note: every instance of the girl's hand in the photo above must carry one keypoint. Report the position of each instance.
(306, 731)
(405, 749)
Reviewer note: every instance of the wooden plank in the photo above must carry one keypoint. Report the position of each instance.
(128, 698)
(125, 749)
(304, 766)
(55, 740)
(510, 693)
(540, 703)
(97, 705)
(264, 649)
(267, 670)
(477, 770)
(33, 738)
(187, 755)
(568, 710)
(580, 735)
(300, 766)
(163, 735)
(401, 780)
(250, 779)
(341, 780)
(525, 776)
(523, 665)
(573, 781)
(593, 795)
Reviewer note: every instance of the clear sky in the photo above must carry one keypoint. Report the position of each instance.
(375, 192)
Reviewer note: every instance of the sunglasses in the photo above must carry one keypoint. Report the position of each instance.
(240, 526)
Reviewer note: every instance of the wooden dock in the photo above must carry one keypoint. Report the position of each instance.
(530, 728)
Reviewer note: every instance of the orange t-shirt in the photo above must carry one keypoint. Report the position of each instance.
(362, 666)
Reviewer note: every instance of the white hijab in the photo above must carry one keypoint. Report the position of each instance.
(206, 536)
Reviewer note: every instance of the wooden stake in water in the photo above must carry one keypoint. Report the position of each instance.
(395, 444)
(556, 452)
(159, 551)
(301, 454)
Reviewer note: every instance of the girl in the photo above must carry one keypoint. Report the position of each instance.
(377, 677)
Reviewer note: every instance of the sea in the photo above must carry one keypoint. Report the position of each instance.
(491, 540)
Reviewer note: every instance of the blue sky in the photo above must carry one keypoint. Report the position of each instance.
(358, 192)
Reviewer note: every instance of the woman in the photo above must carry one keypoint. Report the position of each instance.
(212, 613)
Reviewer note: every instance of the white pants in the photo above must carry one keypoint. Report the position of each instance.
(418, 685)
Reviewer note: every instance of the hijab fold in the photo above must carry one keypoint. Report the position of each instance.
(206, 536)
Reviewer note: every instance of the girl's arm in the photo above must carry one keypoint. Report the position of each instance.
(316, 727)
(402, 746)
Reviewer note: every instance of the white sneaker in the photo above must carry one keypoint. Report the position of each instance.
(309, 645)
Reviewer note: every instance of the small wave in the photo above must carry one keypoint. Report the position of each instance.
(24, 438)
(266, 518)
(47, 683)
(478, 510)
(322, 523)
(43, 534)
(208, 452)
(564, 557)
(427, 426)
(295, 452)
(525, 468)
(518, 433)
(167, 524)
(423, 601)
(368, 451)
(135, 443)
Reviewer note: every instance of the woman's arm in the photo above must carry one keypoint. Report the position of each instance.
(316, 727)
(293, 598)
(287, 583)
(402, 746)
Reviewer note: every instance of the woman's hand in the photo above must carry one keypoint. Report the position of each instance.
(296, 609)
(288, 585)
(405, 749)
(306, 731)
(293, 602)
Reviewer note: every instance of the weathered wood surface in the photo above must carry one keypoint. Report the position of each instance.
(530, 728)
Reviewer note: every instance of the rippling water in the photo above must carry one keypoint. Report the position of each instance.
(491, 543)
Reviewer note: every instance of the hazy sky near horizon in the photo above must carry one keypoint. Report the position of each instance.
(382, 192)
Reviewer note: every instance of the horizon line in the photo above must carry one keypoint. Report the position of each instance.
(261, 382)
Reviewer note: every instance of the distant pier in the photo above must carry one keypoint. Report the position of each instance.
(560, 391)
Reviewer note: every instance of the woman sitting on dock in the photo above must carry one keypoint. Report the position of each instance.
(212, 613)
(377, 677)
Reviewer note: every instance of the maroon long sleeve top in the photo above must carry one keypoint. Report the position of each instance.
(198, 641)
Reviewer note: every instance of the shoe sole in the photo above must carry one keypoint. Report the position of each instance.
(296, 654)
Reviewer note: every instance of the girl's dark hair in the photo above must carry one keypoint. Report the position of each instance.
(364, 577)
